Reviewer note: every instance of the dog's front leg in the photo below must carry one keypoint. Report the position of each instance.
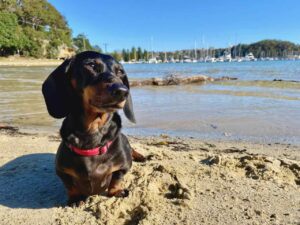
(115, 188)
(74, 196)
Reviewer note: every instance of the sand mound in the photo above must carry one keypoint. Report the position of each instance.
(258, 167)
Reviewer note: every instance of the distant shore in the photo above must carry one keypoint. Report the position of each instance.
(21, 61)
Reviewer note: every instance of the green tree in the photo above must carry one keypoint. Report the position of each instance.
(12, 38)
(40, 28)
(139, 53)
(125, 55)
(133, 55)
(82, 43)
(161, 56)
(145, 55)
(117, 55)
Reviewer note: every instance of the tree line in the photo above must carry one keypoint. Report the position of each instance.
(261, 49)
(133, 54)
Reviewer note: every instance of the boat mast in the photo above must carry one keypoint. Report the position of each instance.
(195, 50)
(152, 48)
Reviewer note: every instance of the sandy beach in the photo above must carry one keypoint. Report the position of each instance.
(21, 61)
(183, 181)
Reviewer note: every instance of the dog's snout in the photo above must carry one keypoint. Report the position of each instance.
(119, 91)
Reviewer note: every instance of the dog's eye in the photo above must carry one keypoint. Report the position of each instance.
(96, 67)
(92, 64)
(119, 72)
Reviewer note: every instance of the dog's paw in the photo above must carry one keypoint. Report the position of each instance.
(137, 157)
(75, 204)
(76, 201)
(123, 193)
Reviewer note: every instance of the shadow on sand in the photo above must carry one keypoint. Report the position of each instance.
(30, 182)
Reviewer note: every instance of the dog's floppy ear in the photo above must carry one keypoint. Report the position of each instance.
(128, 108)
(55, 90)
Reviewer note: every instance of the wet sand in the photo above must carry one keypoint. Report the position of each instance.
(253, 108)
(184, 181)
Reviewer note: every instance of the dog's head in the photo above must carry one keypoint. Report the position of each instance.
(97, 81)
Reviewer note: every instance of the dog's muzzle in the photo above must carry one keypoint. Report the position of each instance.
(118, 91)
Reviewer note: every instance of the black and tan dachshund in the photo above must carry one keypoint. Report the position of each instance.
(94, 155)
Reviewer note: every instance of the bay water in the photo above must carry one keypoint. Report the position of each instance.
(252, 108)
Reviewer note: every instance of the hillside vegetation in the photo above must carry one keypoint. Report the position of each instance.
(35, 28)
(264, 48)
(32, 28)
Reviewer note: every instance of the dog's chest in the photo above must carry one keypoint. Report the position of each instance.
(91, 177)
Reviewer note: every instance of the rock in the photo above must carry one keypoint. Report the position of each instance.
(157, 81)
(164, 136)
(258, 212)
(177, 80)
(211, 160)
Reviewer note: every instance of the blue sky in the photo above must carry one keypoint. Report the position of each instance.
(177, 24)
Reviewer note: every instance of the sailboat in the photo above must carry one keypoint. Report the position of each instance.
(152, 59)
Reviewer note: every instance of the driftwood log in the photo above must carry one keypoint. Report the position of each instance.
(177, 80)
(280, 80)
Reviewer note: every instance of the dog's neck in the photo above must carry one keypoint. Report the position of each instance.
(89, 132)
(92, 122)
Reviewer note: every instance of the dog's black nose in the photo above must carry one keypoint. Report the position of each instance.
(119, 91)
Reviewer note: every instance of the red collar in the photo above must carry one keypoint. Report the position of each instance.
(91, 152)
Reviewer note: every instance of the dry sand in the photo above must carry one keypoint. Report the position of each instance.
(184, 181)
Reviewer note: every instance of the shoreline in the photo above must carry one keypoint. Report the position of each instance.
(183, 181)
(221, 138)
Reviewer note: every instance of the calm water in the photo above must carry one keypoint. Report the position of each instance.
(252, 108)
